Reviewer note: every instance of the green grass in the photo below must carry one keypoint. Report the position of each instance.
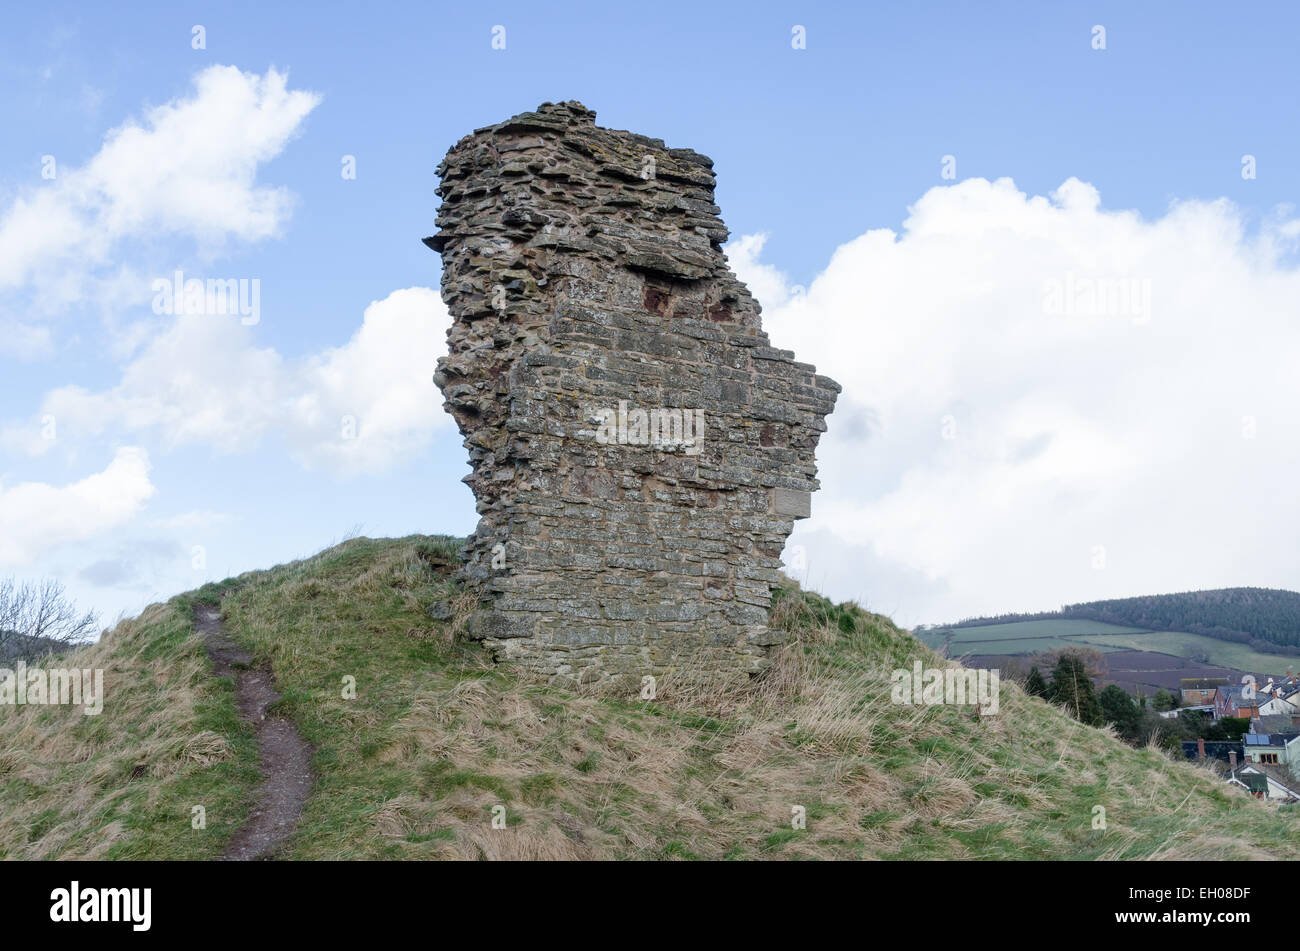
(1025, 629)
(1183, 644)
(1030, 637)
(438, 742)
(1020, 637)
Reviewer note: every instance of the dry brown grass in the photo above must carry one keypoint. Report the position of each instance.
(713, 769)
(438, 738)
(123, 783)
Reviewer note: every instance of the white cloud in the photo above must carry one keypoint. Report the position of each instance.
(36, 518)
(1159, 425)
(361, 407)
(770, 286)
(188, 169)
(382, 379)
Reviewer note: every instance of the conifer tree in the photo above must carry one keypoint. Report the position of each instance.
(1071, 687)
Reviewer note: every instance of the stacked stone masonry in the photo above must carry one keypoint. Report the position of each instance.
(639, 450)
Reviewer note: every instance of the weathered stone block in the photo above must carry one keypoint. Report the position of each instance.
(792, 502)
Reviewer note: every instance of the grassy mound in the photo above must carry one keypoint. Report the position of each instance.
(435, 740)
(123, 784)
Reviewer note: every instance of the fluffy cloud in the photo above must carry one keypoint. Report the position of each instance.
(188, 169)
(36, 518)
(1046, 401)
(360, 407)
(380, 384)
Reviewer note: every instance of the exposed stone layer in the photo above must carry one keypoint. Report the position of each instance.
(584, 272)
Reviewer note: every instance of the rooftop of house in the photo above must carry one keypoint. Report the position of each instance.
(1282, 688)
(1235, 696)
(1202, 683)
(1274, 723)
(1255, 782)
(1214, 749)
(1266, 739)
(1275, 775)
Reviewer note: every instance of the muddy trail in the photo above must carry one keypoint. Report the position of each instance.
(285, 757)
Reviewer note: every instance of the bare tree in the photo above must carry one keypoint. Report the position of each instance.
(1014, 668)
(1094, 661)
(39, 618)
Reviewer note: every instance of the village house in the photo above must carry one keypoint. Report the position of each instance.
(1266, 761)
(1260, 775)
(1273, 749)
(1273, 706)
(1274, 723)
(1199, 691)
(1251, 780)
(1267, 782)
(1236, 700)
(1281, 698)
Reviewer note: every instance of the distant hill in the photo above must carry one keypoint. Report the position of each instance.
(1266, 619)
(15, 647)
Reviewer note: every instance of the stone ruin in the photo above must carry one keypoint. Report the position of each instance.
(639, 450)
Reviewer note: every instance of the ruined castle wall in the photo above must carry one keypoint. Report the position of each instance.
(639, 450)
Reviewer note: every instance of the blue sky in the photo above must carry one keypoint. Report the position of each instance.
(814, 149)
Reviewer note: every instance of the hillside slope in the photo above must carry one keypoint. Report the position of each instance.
(1266, 619)
(436, 737)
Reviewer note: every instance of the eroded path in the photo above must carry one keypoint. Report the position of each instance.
(285, 757)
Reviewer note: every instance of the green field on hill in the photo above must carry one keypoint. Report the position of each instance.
(1031, 637)
(1021, 637)
(1065, 627)
(1183, 644)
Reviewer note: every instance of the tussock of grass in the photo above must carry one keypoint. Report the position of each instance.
(123, 784)
(436, 739)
